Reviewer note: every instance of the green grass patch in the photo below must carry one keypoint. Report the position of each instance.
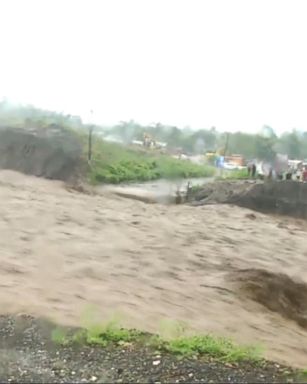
(60, 336)
(96, 334)
(215, 347)
(197, 188)
(301, 376)
(236, 174)
(114, 163)
(208, 345)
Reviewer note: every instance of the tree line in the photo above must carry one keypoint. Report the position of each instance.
(262, 145)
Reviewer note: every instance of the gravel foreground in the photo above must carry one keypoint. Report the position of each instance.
(28, 355)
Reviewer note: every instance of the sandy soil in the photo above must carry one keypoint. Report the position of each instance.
(62, 251)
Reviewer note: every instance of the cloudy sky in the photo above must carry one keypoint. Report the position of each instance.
(233, 64)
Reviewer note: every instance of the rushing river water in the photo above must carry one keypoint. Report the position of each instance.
(157, 188)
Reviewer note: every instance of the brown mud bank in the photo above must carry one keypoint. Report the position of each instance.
(52, 152)
(274, 197)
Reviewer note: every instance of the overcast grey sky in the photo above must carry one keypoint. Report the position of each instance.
(233, 64)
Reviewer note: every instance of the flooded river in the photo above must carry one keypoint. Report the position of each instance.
(64, 253)
(157, 189)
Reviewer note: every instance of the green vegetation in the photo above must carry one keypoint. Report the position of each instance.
(238, 174)
(208, 345)
(28, 116)
(262, 145)
(302, 376)
(115, 163)
(111, 163)
(219, 348)
(96, 335)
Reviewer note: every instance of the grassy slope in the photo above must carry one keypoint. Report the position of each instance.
(176, 342)
(109, 354)
(175, 339)
(235, 174)
(114, 163)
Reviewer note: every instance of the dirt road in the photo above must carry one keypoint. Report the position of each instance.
(63, 250)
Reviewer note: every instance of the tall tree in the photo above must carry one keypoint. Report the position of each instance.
(264, 148)
(291, 144)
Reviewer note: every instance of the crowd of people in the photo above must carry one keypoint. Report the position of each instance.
(290, 173)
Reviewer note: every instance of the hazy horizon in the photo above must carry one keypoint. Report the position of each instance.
(236, 65)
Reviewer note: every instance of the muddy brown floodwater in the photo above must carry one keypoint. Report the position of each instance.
(219, 268)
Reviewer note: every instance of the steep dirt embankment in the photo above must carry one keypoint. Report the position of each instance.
(275, 197)
(219, 268)
(53, 153)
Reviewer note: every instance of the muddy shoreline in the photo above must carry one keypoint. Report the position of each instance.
(28, 355)
(285, 198)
